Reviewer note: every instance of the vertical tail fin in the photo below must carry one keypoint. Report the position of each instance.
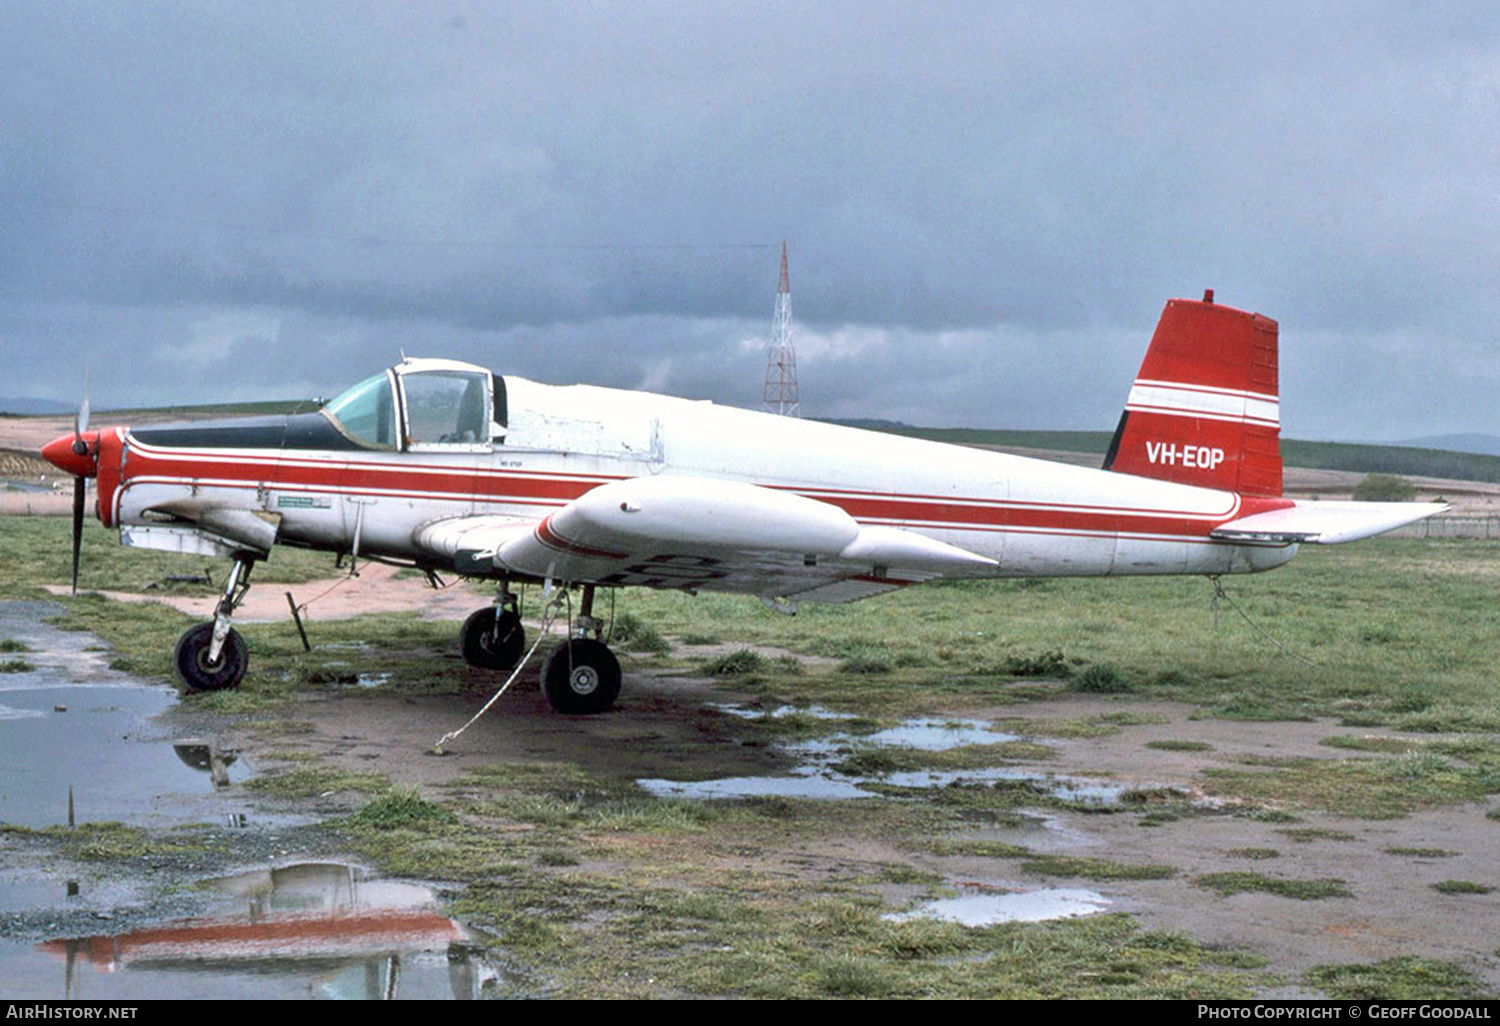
(1204, 409)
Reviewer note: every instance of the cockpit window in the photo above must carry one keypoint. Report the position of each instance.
(367, 412)
(447, 408)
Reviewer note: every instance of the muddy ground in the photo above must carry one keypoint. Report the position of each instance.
(670, 725)
(664, 726)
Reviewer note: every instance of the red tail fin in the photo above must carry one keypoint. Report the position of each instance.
(1204, 409)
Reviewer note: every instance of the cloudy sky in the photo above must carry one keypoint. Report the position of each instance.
(985, 204)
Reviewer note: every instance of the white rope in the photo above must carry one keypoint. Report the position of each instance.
(1220, 593)
(548, 615)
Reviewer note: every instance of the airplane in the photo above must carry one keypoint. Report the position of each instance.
(447, 466)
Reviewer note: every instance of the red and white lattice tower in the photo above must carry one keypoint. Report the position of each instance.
(781, 361)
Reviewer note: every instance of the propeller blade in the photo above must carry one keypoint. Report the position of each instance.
(79, 485)
(81, 418)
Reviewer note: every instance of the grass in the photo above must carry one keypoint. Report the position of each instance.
(1396, 979)
(1094, 868)
(1242, 882)
(1307, 835)
(612, 893)
(1461, 887)
(402, 809)
(314, 781)
(110, 841)
(1366, 788)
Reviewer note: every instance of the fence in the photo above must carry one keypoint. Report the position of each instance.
(1451, 527)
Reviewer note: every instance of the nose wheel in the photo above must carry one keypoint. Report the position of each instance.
(212, 656)
(200, 672)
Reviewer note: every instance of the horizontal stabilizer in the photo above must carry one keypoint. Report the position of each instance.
(1326, 523)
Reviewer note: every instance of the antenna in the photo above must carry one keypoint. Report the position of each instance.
(781, 362)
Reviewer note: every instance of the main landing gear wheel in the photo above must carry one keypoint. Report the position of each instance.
(190, 659)
(492, 642)
(581, 677)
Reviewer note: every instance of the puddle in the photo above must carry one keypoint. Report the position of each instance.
(938, 735)
(780, 712)
(816, 778)
(1072, 789)
(803, 784)
(1036, 831)
(309, 930)
(985, 909)
(69, 723)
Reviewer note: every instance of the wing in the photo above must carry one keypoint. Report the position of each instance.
(696, 534)
(1326, 523)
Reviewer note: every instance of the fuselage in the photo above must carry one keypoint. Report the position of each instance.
(208, 487)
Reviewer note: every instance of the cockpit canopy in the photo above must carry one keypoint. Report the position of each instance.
(424, 405)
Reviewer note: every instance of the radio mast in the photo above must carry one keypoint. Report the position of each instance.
(781, 361)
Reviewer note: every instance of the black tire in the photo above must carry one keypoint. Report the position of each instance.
(190, 659)
(581, 677)
(492, 646)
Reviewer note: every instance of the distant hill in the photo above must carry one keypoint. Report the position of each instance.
(1359, 458)
(22, 407)
(1486, 445)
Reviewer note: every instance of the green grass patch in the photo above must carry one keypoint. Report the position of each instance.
(1102, 679)
(103, 842)
(16, 666)
(1424, 853)
(402, 809)
(633, 634)
(1044, 664)
(977, 849)
(1246, 882)
(1257, 854)
(1460, 887)
(874, 761)
(1307, 835)
(313, 781)
(739, 663)
(9, 645)
(1180, 746)
(1094, 869)
(1396, 979)
(1366, 788)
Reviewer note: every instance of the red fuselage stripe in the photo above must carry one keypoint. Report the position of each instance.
(459, 484)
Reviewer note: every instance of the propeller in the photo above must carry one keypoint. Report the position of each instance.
(78, 455)
(78, 489)
(80, 485)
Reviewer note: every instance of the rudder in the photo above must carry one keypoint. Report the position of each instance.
(1205, 408)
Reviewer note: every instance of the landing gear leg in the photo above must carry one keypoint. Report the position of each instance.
(212, 656)
(582, 676)
(493, 638)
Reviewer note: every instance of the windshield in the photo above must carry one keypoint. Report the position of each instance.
(367, 412)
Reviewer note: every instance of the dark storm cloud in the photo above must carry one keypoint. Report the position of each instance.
(986, 204)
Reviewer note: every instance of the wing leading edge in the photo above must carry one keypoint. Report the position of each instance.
(702, 533)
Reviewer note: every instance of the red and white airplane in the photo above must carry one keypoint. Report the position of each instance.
(446, 466)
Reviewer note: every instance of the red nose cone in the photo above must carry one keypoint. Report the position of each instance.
(60, 452)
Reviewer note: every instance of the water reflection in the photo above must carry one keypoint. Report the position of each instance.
(208, 758)
(305, 930)
(984, 909)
